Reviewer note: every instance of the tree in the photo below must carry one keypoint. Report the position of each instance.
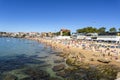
(66, 33)
(80, 31)
(113, 29)
(23, 36)
(119, 29)
(102, 30)
(87, 30)
(57, 33)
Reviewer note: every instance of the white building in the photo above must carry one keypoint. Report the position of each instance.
(95, 36)
(109, 38)
(62, 37)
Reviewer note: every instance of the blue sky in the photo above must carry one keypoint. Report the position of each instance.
(52, 15)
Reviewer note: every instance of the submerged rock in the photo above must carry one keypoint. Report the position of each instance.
(103, 79)
(42, 57)
(36, 74)
(58, 67)
(9, 77)
(64, 55)
(62, 74)
(45, 65)
(59, 61)
(26, 78)
(53, 78)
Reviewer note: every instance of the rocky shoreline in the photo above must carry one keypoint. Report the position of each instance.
(79, 68)
(84, 71)
(74, 71)
(67, 67)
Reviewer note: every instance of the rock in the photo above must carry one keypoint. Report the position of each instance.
(118, 76)
(103, 60)
(117, 79)
(81, 55)
(42, 57)
(91, 59)
(58, 67)
(9, 77)
(103, 79)
(36, 73)
(62, 74)
(45, 65)
(59, 61)
(26, 78)
(81, 74)
(52, 78)
(63, 55)
(54, 53)
(70, 61)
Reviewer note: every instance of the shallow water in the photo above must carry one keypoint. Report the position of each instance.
(14, 46)
(19, 54)
(23, 59)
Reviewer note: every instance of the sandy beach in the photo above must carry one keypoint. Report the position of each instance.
(84, 51)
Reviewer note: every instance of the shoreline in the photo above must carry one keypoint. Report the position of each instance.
(81, 62)
(66, 60)
(90, 56)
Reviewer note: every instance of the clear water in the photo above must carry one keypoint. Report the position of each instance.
(15, 46)
(20, 55)
(17, 53)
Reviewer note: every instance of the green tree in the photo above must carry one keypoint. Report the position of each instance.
(23, 36)
(113, 29)
(87, 30)
(102, 30)
(66, 33)
(57, 33)
(80, 31)
(119, 29)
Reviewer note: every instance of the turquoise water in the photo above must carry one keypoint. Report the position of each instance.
(19, 54)
(14, 46)
(23, 59)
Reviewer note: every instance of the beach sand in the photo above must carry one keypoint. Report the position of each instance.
(91, 56)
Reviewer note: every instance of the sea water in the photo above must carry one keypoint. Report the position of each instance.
(15, 46)
(17, 54)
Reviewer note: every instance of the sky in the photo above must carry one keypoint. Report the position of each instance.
(53, 15)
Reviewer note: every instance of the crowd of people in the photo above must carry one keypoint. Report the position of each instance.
(95, 49)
